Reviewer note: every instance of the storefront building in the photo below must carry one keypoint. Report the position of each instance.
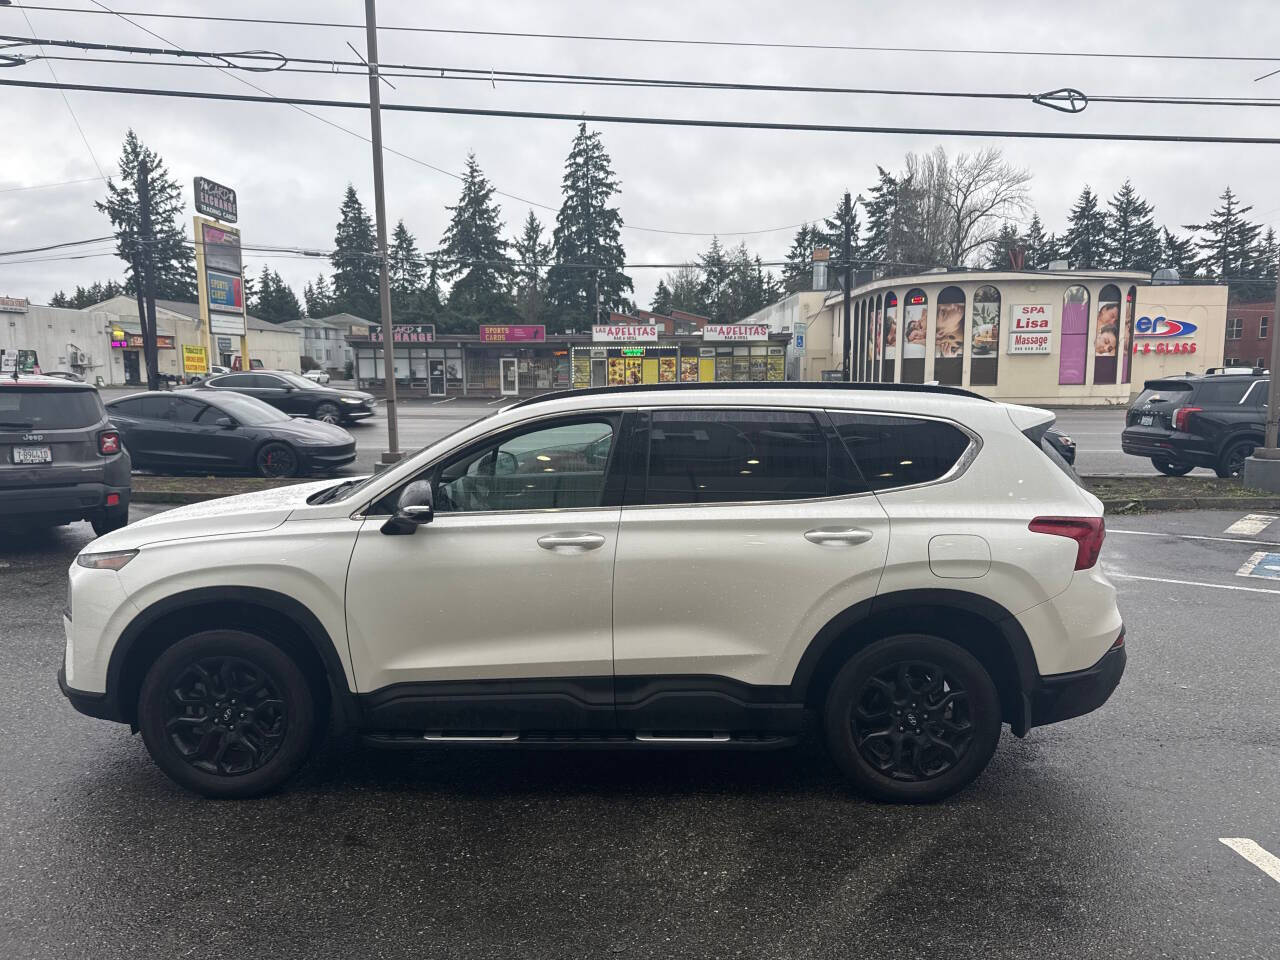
(1053, 338)
(523, 359)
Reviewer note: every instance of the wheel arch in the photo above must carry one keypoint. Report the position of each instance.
(981, 626)
(275, 616)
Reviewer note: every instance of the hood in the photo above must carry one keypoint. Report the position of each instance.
(354, 394)
(312, 430)
(246, 513)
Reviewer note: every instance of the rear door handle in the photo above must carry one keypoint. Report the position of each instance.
(848, 535)
(573, 541)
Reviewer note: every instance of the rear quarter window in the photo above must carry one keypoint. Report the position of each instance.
(1226, 391)
(43, 408)
(893, 451)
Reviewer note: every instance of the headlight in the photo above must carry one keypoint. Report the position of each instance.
(350, 400)
(112, 560)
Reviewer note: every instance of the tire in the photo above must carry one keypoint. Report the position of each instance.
(109, 519)
(227, 714)
(1231, 463)
(935, 750)
(327, 412)
(1172, 469)
(277, 459)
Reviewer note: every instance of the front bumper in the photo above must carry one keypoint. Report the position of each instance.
(329, 458)
(95, 705)
(1066, 695)
(356, 413)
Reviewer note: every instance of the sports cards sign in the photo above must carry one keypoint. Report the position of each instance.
(1030, 327)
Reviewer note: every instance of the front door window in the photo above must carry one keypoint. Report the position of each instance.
(435, 378)
(510, 381)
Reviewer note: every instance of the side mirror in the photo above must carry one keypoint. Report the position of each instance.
(413, 509)
(226, 423)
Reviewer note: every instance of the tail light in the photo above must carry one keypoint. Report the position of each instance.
(1180, 416)
(1087, 532)
(108, 443)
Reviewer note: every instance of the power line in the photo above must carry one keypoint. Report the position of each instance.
(56, 246)
(60, 183)
(661, 121)
(677, 41)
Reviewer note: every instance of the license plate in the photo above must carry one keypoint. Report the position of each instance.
(32, 455)
(1146, 421)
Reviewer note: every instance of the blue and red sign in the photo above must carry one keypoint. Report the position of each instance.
(1162, 327)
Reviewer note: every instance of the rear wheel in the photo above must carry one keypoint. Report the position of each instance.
(277, 460)
(328, 412)
(1232, 461)
(226, 714)
(1171, 469)
(912, 719)
(110, 518)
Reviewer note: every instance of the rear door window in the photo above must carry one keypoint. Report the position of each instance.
(1228, 390)
(721, 456)
(44, 408)
(894, 451)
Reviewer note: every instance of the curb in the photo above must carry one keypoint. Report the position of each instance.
(1124, 505)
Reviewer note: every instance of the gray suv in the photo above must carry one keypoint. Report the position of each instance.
(61, 460)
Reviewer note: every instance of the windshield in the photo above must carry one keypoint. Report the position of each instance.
(43, 408)
(244, 409)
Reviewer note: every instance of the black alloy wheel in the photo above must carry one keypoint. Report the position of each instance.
(277, 460)
(912, 718)
(328, 412)
(1233, 458)
(1171, 469)
(227, 714)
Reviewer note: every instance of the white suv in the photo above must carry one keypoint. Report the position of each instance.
(695, 566)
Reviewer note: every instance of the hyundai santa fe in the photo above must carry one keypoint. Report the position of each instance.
(699, 566)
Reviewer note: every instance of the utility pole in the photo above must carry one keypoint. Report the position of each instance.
(146, 299)
(392, 453)
(846, 252)
(1262, 470)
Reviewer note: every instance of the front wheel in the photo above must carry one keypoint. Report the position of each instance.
(912, 719)
(277, 460)
(1171, 469)
(227, 714)
(328, 413)
(1231, 464)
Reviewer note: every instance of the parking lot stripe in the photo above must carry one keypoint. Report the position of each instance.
(1251, 524)
(1189, 583)
(1193, 536)
(1263, 859)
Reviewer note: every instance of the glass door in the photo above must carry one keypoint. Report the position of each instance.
(510, 379)
(435, 378)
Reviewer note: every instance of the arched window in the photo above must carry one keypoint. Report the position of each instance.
(948, 337)
(915, 313)
(1073, 350)
(887, 372)
(1106, 335)
(877, 338)
(984, 346)
(1126, 344)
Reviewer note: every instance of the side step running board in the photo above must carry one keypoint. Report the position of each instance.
(585, 739)
(437, 737)
(680, 738)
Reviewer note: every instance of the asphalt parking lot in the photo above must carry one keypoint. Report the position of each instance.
(1100, 837)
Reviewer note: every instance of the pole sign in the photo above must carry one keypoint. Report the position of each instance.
(1030, 327)
(215, 200)
(219, 279)
(226, 292)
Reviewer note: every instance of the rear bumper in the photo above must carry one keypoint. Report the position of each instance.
(73, 501)
(1170, 447)
(1066, 695)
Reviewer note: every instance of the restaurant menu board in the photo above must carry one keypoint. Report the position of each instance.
(776, 368)
(635, 370)
(689, 369)
(581, 371)
(617, 371)
(666, 369)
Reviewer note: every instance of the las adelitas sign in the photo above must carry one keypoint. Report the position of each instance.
(1030, 327)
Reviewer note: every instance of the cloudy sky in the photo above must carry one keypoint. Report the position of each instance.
(290, 169)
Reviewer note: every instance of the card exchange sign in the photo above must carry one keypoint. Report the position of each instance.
(215, 200)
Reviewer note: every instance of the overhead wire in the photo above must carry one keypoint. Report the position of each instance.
(59, 183)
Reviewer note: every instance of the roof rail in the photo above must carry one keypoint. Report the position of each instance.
(752, 385)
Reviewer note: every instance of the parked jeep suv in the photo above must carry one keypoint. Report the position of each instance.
(699, 566)
(60, 458)
(1215, 420)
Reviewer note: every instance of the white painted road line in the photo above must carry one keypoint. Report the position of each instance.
(1193, 536)
(446, 400)
(1264, 860)
(1251, 524)
(1188, 583)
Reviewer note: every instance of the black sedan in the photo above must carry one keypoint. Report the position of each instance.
(212, 431)
(296, 395)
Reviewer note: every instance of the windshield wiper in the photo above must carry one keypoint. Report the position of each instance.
(23, 424)
(329, 493)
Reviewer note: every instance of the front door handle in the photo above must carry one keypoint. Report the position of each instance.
(571, 541)
(849, 535)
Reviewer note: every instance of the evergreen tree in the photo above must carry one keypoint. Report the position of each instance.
(1037, 245)
(797, 274)
(318, 298)
(685, 285)
(1132, 241)
(1178, 253)
(433, 305)
(587, 232)
(532, 259)
(1227, 249)
(274, 300)
(882, 241)
(713, 288)
(59, 299)
(406, 274)
(355, 261)
(474, 257)
(1003, 248)
(1085, 239)
(833, 236)
(173, 269)
(661, 302)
